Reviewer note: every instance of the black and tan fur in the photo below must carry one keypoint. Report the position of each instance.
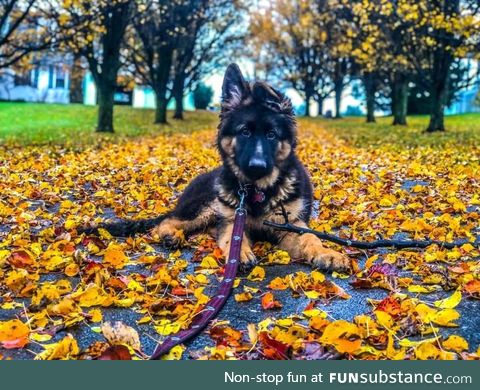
(256, 140)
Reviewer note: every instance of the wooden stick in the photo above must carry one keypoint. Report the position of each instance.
(396, 244)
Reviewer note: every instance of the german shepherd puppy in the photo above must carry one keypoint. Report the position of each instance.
(256, 139)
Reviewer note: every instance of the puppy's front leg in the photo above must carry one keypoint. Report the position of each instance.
(225, 229)
(309, 247)
(170, 232)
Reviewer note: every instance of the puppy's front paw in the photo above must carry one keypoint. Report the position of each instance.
(247, 257)
(321, 257)
(169, 237)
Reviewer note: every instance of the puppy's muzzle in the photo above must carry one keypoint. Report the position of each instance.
(257, 163)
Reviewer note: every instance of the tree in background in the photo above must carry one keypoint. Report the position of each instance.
(23, 30)
(95, 30)
(176, 42)
(340, 44)
(202, 96)
(462, 77)
(304, 44)
(293, 30)
(205, 46)
(444, 31)
(158, 28)
(381, 53)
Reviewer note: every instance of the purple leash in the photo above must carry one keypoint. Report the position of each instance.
(215, 304)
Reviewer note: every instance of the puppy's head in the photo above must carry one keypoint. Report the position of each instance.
(257, 131)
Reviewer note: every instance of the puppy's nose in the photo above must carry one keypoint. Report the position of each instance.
(256, 162)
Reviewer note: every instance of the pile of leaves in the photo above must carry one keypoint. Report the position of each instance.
(56, 283)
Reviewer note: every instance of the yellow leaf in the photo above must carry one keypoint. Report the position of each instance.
(243, 297)
(318, 323)
(201, 278)
(115, 257)
(96, 315)
(317, 276)
(70, 224)
(105, 234)
(13, 334)
(165, 327)
(384, 319)
(41, 338)
(312, 294)
(63, 350)
(278, 284)
(427, 351)
(92, 295)
(209, 262)
(340, 275)
(72, 269)
(455, 343)
(446, 317)
(450, 302)
(285, 322)
(417, 288)
(175, 353)
(314, 313)
(343, 335)
(278, 257)
(144, 320)
(257, 274)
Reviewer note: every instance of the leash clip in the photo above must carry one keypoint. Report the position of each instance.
(241, 206)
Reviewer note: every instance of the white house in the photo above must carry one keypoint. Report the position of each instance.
(47, 82)
(142, 96)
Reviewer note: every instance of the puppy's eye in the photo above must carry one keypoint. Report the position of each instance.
(271, 135)
(246, 133)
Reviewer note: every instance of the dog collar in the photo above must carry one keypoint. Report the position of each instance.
(253, 194)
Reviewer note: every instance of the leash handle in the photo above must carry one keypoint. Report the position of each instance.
(215, 304)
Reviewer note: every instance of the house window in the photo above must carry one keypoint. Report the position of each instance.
(22, 79)
(60, 78)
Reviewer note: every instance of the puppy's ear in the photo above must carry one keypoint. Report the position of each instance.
(234, 88)
(271, 98)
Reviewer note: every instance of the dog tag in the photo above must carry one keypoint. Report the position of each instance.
(258, 197)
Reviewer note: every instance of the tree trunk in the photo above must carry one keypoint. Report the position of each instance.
(439, 88)
(442, 62)
(338, 87)
(105, 93)
(320, 106)
(161, 109)
(161, 77)
(178, 106)
(115, 19)
(178, 93)
(437, 122)
(399, 99)
(308, 98)
(369, 82)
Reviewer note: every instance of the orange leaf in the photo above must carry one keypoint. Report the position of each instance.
(269, 302)
(13, 334)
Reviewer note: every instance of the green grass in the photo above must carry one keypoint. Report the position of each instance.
(462, 130)
(26, 123)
